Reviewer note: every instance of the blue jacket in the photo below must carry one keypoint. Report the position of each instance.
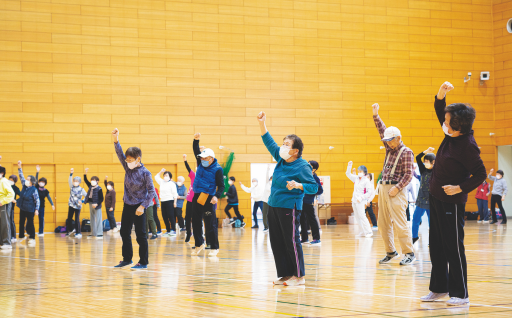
(27, 201)
(310, 198)
(182, 192)
(298, 170)
(205, 178)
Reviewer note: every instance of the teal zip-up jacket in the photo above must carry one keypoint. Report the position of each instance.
(298, 170)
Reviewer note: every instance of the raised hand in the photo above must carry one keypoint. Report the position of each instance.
(492, 170)
(86, 170)
(429, 150)
(375, 108)
(38, 168)
(72, 170)
(19, 164)
(106, 177)
(115, 134)
(350, 163)
(184, 157)
(197, 136)
(163, 170)
(262, 117)
(444, 89)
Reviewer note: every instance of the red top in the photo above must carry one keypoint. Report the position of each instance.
(482, 192)
(157, 194)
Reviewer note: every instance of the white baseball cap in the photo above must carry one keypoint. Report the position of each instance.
(391, 133)
(207, 153)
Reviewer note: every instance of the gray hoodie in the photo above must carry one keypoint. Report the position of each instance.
(499, 187)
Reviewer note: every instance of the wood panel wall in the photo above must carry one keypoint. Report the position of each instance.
(72, 70)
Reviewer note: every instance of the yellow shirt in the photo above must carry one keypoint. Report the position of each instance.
(6, 192)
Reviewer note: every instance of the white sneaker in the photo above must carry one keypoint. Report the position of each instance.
(486, 221)
(99, 237)
(13, 240)
(213, 253)
(115, 230)
(6, 247)
(23, 238)
(281, 280)
(374, 228)
(454, 301)
(360, 234)
(478, 221)
(78, 236)
(31, 242)
(369, 235)
(198, 250)
(89, 237)
(295, 281)
(40, 234)
(433, 296)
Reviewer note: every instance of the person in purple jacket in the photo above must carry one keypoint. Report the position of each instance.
(458, 171)
(139, 192)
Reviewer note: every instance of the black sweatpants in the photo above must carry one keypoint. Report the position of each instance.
(168, 215)
(369, 210)
(496, 199)
(129, 218)
(13, 225)
(188, 218)
(308, 218)
(179, 215)
(72, 212)
(235, 208)
(157, 220)
(111, 219)
(285, 241)
(207, 212)
(447, 254)
(31, 230)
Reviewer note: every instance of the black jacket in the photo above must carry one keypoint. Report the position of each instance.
(97, 194)
(232, 195)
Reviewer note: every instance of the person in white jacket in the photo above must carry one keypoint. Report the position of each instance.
(363, 191)
(256, 191)
(168, 200)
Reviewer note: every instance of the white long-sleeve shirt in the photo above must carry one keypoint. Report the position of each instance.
(168, 190)
(255, 191)
(363, 188)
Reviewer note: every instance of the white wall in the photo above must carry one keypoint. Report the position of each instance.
(505, 164)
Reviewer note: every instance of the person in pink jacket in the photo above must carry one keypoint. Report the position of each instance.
(190, 197)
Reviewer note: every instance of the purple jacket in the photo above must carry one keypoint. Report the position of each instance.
(138, 183)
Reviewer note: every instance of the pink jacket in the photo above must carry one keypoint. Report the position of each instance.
(190, 194)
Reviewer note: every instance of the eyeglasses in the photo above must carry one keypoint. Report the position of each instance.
(130, 161)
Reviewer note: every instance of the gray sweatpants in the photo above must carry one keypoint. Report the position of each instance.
(96, 222)
(5, 224)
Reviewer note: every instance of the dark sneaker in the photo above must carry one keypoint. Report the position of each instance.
(139, 266)
(408, 259)
(493, 222)
(316, 242)
(255, 227)
(415, 239)
(187, 239)
(123, 264)
(243, 224)
(304, 242)
(154, 237)
(265, 230)
(208, 247)
(232, 221)
(388, 258)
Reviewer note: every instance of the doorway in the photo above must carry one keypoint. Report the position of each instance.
(262, 172)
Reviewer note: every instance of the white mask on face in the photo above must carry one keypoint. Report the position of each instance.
(11, 182)
(27, 183)
(167, 179)
(132, 165)
(445, 130)
(230, 182)
(498, 176)
(94, 183)
(109, 188)
(360, 174)
(41, 184)
(284, 152)
(179, 184)
(254, 183)
(76, 184)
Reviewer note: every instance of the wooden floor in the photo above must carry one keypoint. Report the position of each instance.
(74, 278)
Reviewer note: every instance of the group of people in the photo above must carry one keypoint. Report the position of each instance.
(286, 199)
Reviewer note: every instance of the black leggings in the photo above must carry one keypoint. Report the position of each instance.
(157, 220)
(111, 219)
(497, 199)
(168, 215)
(188, 218)
(235, 208)
(69, 222)
(369, 209)
(31, 230)
(179, 215)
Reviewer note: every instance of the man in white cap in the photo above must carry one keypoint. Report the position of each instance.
(397, 173)
(208, 186)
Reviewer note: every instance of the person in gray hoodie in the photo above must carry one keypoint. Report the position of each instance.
(499, 191)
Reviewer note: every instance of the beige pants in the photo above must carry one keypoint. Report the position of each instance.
(392, 215)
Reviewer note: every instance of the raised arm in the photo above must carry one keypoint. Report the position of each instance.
(490, 175)
(85, 178)
(195, 148)
(186, 163)
(246, 189)
(119, 149)
(440, 102)
(70, 180)
(268, 141)
(20, 172)
(349, 174)
(159, 179)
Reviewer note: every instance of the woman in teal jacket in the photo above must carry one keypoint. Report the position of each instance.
(292, 178)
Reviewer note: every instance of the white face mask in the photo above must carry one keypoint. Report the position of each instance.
(445, 130)
(179, 184)
(498, 176)
(41, 184)
(230, 182)
(27, 183)
(109, 188)
(76, 184)
(11, 182)
(132, 165)
(255, 183)
(94, 183)
(167, 179)
(360, 174)
(284, 152)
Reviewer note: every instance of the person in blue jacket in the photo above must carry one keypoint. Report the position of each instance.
(292, 178)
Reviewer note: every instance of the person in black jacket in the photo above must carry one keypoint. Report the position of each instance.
(422, 203)
(95, 199)
(43, 194)
(110, 204)
(232, 195)
(12, 180)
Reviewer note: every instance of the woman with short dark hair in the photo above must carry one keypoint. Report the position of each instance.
(458, 171)
(292, 179)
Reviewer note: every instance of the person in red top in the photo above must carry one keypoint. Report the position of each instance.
(155, 214)
(482, 199)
